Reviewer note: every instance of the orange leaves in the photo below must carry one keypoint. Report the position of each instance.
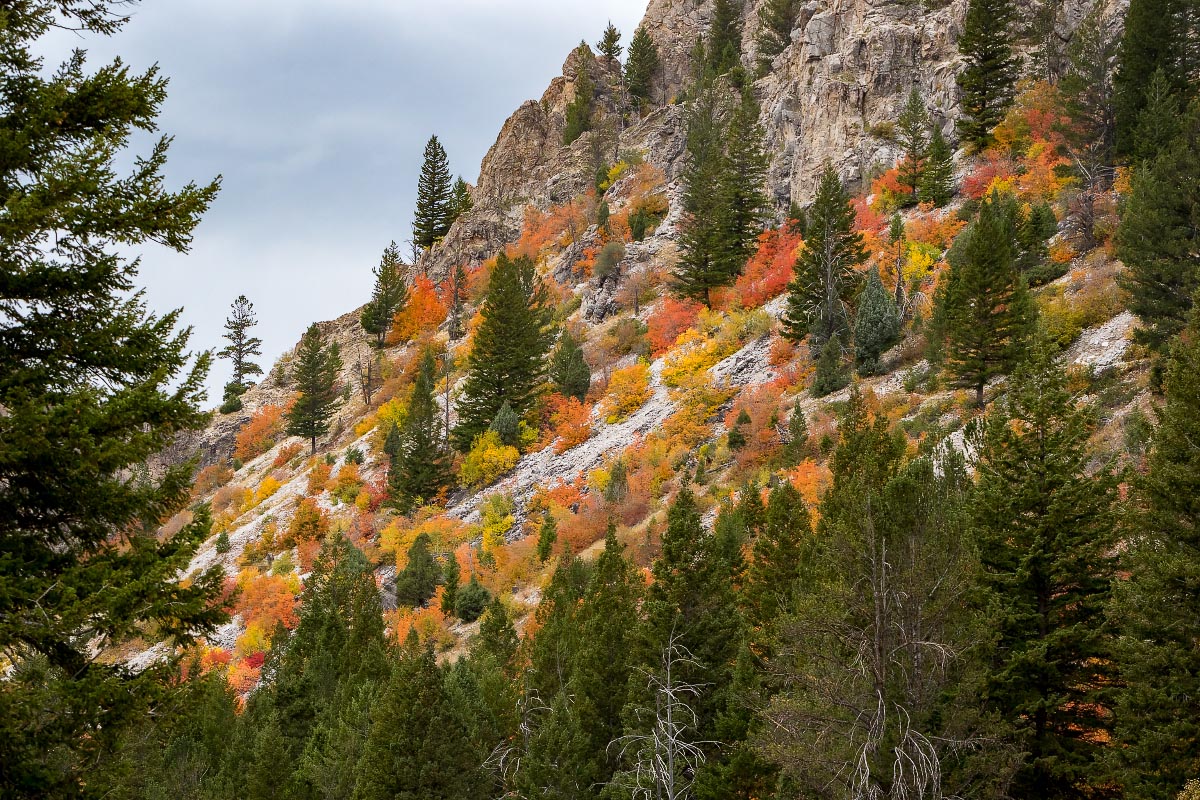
(769, 270)
(996, 170)
(671, 318)
(555, 228)
(811, 480)
(267, 600)
(259, 434)
(570, 422)
(934, 226)
(318, 477)
(867, 219)
(309, 522)
(424, 312)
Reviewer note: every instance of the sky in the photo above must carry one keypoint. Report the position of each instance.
(315, 113)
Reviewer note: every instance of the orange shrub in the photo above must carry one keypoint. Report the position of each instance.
(934, 226)
(211, 478)
(554, 228)
(769, 270)
(570, 422)
(242, 677)
(811, 480)
(424, 312)
(318, 477)
(429, 623)
(628, 389)
(995, 168)
(346, 485)
(867, 219)
(309, 522)
(671, 318)
(287, 453)
(267, 600)
(259, 434)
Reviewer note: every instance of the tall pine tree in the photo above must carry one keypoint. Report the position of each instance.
(723, 44)
(937, 179)
(876, 325)
(314, 374)
(642, 65)
(701, 268)
(742, 182)
(418, 469)
(776, 18)
(913, 128)
(569, 371)
(989, 76)
(387, 298)
(435, 197)
(609, 45)
(241, 349)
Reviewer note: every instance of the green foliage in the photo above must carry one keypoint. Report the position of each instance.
(387, 298)
(507, 361)
(642, 65)
(472, 600)
(736, 438)
(451, 575)
(436, 206)
(241, 348)
(579, 110)
(570, 373)
(416, 583)
(547, 536)
(507, 426)
(223, 545)
(608, 260)
(723, 44)
(913, 136)
(876, 325)
(831, 373)
(618, 483)
(776, 18)
(989, 77)
(796, 449)
(609, 45)
(462, 201)
(819, 295)
(937, 179)
(314, 373)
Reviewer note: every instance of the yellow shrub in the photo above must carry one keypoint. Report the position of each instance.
(268, 487)
(488, 459)
(253, 640)
(496, 520)
(628, 389)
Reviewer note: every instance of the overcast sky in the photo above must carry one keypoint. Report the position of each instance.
(316, 113)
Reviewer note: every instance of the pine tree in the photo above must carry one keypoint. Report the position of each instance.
(416, 583)
(222, 544)
(451, 575)
(242, 347)
(989, 76)
(461, 194)
(819, 295)
(609, 45)
(579, 110)
(742, 196)
(780, 557)
(570, 373)
(797, 444)
(314, 374)
(701, 268)
(1087, 89)
(776, 19)
(457, 281)
(387, 298)
(1157, 238)
(418, 463)
(1157, 611)
(983, 305)
(913, 129)
(1045, 528)
(471, 601)
(435, 197)
(876, 325)
(937, 180)
(92, 386)
(547, 536)
(507, 360)
(723, 45)
(507, 425)
(642, 65)
(831, 373)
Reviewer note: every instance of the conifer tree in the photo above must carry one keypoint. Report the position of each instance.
(1087, 88)
(609, 45)
(570, 373)
(742, 196)
(937, 179)
(457, 281)
(723, 45)
(451, 575)
(797, 444)
(983, 305)
(507, 360)
(416, 583)
(779, 559)
(989, 76)
(776, 19)
(418, 463)
(242, 347)
(876, 325)
(1157, 611)
(507, 425)
(819, 295)
(547, 536)
(641, 66)
(579, 110)
(1045, 529)
(435, 197)
(388, 297)
(831, 373)
(462, 201)
(913, 129)
(701, 268)
(314, 374)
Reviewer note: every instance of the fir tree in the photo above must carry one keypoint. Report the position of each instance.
(983, 306)
(913, 129)
(1045, 531)
(507, 360)
(387, 298)
(222, 544)
(779, 558)
(989, 76)
(454, 315)
(776, 19)
(242, 347)
(570, 373)
(579, 110)
(797, 444)
(743, 175)
(831, 373)
(641, 66)
(451, 575)
(435, 197)
(876, 325)
(418, 463)
(609, 45)
(1087, 89)
(507, 425)
(701, 268)
(723, 45)
(737, 437)
(819, 295)
(416, 583)
(547, 536)
(1157, 611)
(471, 601)
(314, 374)
(461, 194)
(937, 179)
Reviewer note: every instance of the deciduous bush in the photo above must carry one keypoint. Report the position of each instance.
(488, 459)
(628, 390)
(259, 434)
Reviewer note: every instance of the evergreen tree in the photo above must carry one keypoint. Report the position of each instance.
(314, 373)
(471, 601)
(913, 127)
(609, 45)
(570, 373)
(701, 268)
(435, 197)
(242, 347)
(723, 45)
(507, 425)
(92, 386)
(989, 76)
(419, 469)
(579, 110)
(937, 179)
(1157, 611)
(642, 65)
(819, 295)
(743, 176)
(876, 325)
(507, 360)
(797, 444)
(387, 298)
(547, 536)
(222, 545)
(737, 437)
(983, 307)
(776, 19)
(454, 315)
(831, 373)
(461, 194)
(1087, 89)
(451, 575)
(779, 559)
(1157, 238)
(1045, 529)
(417, 582)
(618, 483)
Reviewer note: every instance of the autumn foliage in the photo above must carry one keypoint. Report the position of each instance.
(769, 270)
(672, 317)
(570, 422)
(259, 434)
(628, 389)
(424, 313)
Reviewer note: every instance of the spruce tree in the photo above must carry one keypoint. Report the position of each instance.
(579, 110)
(1045, 529)
(989, 76)
(314, 374)
(701, 267)
(609, 45)
(913, 129)
(435, 197)
(741, 186)
(461, 194)
(417, 582)
(418, 462)
(937, 179)
(983, 305)
(451, 575)
(1157, 611)
(387, 298)
(570, 373)
(641, 66)
(776, 19)
(723, 45)
(92, 386)
(779, 559)
(242, 347)
(1087, 89)
(831, 373)
(507, 425)
(876, 325)
(457, 285)
(547, 536)
(507, 360)
(797, 444)
(819, 295)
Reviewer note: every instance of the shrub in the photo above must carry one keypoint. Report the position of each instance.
(259, 434)
(223, 545)
(471, 601)
(628, 390)
(625, 336)
(346, 485)
(769, 270)
(268, 487)
(488, 459)
(318, 477)
(287, 453)
(210, 479)
(309, 522)
(607, 261)
(496, 520)
(570, 422)
(354, 456)
(670, 319)
(423, 313)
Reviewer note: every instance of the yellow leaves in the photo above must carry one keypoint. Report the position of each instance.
(716, 337)
(265, 489)
(444, 533)
(628, 390)
(488, 459)
(496, 520)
